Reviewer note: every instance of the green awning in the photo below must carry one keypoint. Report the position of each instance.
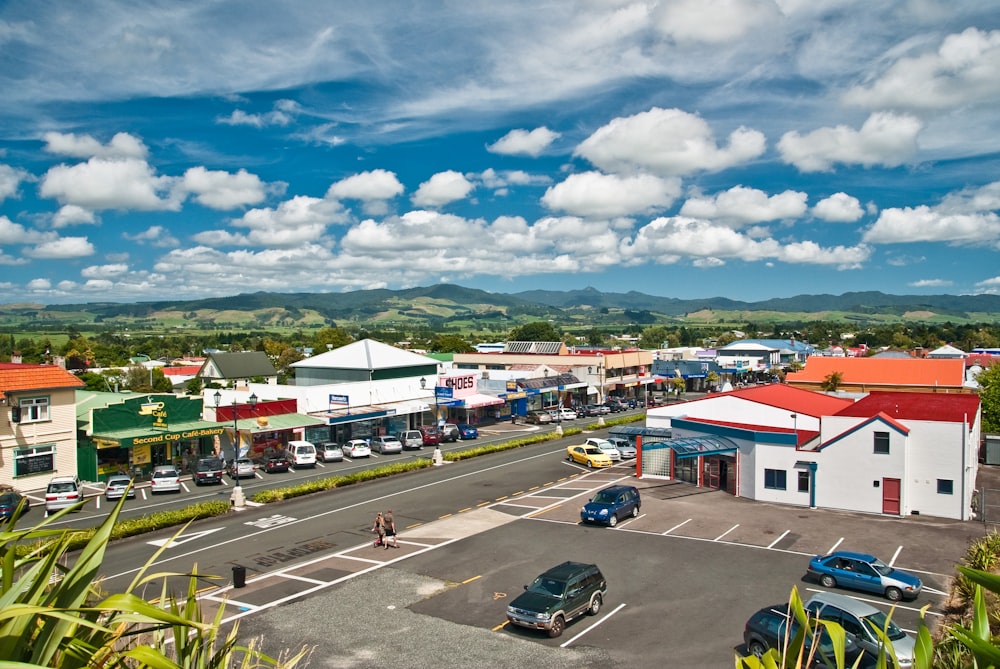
(285, 421)
(143, 436)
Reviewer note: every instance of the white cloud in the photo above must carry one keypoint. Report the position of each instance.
(62, 247)
(925, 224)
(155, 235)
(992, 284)
(741, 206)
(715, 21)
(596, 195)
(931, 283)
(367, 186)
(39, 284)
(15, 233)
(965, 70)
(10, 180)
(885, 139)
(839, 208)
(103, 271)
(122, 145)
(72, 214)
(271, 118)
(299, 220)
(524, 142)
(442, 188)
(223, 190)
(667, 142)
(109, 184)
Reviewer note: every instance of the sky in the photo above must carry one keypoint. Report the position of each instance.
(749, 149)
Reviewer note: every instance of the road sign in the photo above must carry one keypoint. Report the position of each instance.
(340, 399)
(443, 391)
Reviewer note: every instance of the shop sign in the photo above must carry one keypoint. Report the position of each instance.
(141, 455)
(177, 436)
(106, 443)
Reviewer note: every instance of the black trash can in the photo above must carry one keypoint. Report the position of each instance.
(239, 576)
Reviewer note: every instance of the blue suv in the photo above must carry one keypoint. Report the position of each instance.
(611, 505)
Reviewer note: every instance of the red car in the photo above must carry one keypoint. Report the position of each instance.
(431, 436)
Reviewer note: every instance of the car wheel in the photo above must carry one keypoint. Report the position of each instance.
(613, 520)
(590, 464)
(595, 605)
(828, 581)
(756, 648)
(558, 625)
(635, 511)
(893, 594)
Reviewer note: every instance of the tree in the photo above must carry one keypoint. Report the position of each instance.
(334, 337)
(832, 381)
(989, 398)
(654, 336)
(451, 344)
(537, 331)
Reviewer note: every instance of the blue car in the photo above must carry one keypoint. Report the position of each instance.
(466, 431)
(860, 571)
(612, 504)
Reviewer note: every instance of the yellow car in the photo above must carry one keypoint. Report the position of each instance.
(588, 455)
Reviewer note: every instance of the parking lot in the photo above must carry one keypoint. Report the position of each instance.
(683, 578)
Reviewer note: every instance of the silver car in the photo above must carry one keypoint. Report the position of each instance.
(385, 445)
(242, 468)
(118, 485)
(166, 478)
(859, 620)
(329, 452)
(607, 447)
(624, 447)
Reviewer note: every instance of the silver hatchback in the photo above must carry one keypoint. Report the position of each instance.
(166, 478)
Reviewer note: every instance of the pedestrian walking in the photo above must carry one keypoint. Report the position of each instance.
(390, 529)
(378, 527)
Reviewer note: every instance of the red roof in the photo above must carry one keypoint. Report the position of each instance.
(924, 372)
(795, 400)
(15, 377)
(941, 407)
(802, 436)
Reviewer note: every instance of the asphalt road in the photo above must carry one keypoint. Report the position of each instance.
(683, 577)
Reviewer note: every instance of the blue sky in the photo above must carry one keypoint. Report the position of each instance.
(686, 148)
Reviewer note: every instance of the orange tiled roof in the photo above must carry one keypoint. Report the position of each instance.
(926, 372)
(16, 377)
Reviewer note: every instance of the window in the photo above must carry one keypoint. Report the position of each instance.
(34, 409)
(882, 442)
(34, 460)
(946, 486)
(774, 479)
(803, 481)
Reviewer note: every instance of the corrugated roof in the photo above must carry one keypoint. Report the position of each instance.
(366, 354)
(243, 364)
(941, 407)
(15, 377)
(922, 372)
(795, 400)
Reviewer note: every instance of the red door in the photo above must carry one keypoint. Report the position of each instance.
(890, 496)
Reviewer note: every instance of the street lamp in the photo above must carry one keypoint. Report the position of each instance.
(440, 428)
(237, 498)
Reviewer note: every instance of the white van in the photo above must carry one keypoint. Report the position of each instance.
(303, 453)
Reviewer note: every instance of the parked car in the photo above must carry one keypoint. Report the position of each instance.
(612, 504)
(329, 451)
(766, 629)
(242, 468)
(559, 595)
(860, 620)
(591, 456)
(614, 406)
(431, 435)
(387, 445)
(62, 492)
(119, 485)
(466, 431)
(208, 470)
(165, 478)
(861, 571)
(357, 448)
(277, 463)
(538, 417)
(567, 414)
(606, 446)
(303, 453)
(449, 432)
(624, 447)
(9, 500)
(411, 439)
(589, 410)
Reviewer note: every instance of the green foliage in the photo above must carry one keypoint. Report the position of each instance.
(832, 381)
(451, 344)
(989, 398)
(537, 331)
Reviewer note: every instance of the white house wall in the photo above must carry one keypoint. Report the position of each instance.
(734, 410)
(936, 453)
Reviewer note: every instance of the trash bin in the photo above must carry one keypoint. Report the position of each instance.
(239, 576)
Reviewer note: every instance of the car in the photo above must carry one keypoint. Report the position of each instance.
(431, 435)
(165, 478)
(387, 445)
(624, 447)
(119, 485)
(860, 620)
(614, 406)
(242, 468)
(357, 448)
(411, 439)
(591, 456)
(208, 470)
(466, 431)
(567, 414)
(449, 432)
(860, 571)
(62, 492)
(277, 463)
(9, 501)
(589, 410)
(612, 504)
(605, 446)
(767, 628)
(538, 417)
(329, 451)
(303, 453)
(559, 595)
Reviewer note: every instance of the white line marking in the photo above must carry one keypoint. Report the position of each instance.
(677, 526)
(727, 532)
(569, 641)
(834, 546)
(629, 520)
(783, 534)
(895, 555)
(879, 602)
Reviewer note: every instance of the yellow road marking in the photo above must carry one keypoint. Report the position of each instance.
(414, 525)
(500, 499)
(500, 627)
(483, 503)
(519, 492)
(468, 508)
(447, 515)
(470, 580)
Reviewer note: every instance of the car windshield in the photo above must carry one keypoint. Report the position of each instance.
(881, 567)
(604, 497)
(547, 586)
(61, 487)
(592, 450)
(879, 619)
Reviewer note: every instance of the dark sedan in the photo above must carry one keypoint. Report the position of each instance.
(466, 431)
(276, 463)
(9, 499)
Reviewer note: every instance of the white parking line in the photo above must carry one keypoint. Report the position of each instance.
(880, 602)
(629, 520)
(677, 526)
(894, 556)
(727, 532)
(569, 641)
(834, 547)
(783, 535)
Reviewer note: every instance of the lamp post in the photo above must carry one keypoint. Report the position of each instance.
(437, 459)
(236, 499)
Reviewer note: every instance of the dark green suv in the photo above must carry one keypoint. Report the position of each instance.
(563, 593)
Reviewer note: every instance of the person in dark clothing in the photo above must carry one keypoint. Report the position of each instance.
(379, 528)
(390, 529)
